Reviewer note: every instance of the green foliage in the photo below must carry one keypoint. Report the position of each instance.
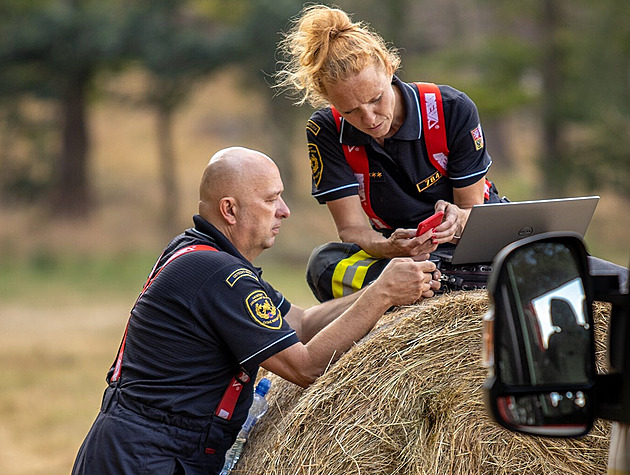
(260, 31)
(176, 46)
(504, 62)
(598, 99)
(497, 74)
(61, 38)
(55, 52)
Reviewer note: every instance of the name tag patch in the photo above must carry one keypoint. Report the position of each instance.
(234, 277)
(428, 182)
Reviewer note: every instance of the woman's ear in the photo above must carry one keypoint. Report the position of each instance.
(390, 70)
(227, 208)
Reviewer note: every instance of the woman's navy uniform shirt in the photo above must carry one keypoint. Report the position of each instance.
(205, 316)
(403, 185)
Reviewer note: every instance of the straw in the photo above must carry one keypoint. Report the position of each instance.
(407, 400)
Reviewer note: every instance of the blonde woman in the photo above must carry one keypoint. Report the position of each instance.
(395, 152)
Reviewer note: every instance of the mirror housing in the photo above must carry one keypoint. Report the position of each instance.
(539, 346)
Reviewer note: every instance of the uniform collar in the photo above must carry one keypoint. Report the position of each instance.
(204, 229)
(410, 128)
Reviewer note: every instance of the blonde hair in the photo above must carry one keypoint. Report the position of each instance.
(324, 47)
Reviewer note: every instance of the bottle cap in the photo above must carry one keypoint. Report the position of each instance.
(263, 386)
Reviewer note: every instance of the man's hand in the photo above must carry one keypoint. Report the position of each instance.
(405, 281)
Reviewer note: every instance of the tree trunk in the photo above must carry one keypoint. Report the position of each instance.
(281, 126)
(555, 170)
(73, 195)
(168, 175)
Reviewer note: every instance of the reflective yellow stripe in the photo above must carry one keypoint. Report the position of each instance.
(350, 273)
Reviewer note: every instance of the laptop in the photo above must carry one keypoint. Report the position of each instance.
(491, 227)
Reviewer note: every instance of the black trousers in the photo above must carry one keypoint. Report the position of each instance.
(129, 438)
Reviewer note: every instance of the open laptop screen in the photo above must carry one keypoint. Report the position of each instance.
(490, 227)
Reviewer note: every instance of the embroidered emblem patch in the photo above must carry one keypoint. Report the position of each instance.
(237, 274)
(477, 136)
(316, 163)
(427, 182)
(263, 311)
(313, 127)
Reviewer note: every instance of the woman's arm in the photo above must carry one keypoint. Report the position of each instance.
(353, 226)
(456, 214)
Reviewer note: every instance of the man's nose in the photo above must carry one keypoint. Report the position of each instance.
(284, 210)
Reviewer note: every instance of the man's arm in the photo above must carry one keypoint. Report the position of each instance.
(402, 282)
(307, 323)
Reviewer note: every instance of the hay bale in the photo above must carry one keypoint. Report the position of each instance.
(407, 400)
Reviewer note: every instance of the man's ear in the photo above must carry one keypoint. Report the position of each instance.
(227, 207)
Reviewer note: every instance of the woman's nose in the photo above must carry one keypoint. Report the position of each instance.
(369, 117)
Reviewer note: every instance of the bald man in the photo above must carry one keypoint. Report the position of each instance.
(182, 383)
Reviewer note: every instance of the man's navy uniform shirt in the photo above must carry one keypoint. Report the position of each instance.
(206, 315)
(403, 189)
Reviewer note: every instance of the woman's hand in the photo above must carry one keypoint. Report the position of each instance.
(404, 242)
(453, 224)
(352, 226)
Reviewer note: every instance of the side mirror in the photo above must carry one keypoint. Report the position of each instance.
(539, 338)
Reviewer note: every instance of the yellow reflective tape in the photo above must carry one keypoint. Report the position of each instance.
(350, 273)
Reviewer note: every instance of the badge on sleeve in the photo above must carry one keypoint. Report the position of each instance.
(316, 163)
(477, 136)
(263, 311)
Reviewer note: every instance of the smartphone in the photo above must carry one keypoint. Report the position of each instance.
(430, 223)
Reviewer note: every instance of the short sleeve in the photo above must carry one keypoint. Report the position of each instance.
(332, 177)
(247, 315)
(468, 159)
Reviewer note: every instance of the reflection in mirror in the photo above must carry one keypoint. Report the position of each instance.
(547, 340)
(560, 414)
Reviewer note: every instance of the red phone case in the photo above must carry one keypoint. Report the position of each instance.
(429, 223)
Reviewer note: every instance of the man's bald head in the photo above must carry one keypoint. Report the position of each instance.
(229, 170)
(235, 172)
(240, 194)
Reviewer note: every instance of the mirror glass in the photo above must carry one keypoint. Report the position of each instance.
(544, 366)
(554, 413)
(547, 340)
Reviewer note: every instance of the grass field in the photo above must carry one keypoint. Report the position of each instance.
(66, 287)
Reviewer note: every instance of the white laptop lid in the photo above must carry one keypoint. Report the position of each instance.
(492, 226)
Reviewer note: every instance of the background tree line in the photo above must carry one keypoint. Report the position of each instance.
(566, 64)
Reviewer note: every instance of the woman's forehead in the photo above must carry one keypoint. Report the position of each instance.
(360, 87)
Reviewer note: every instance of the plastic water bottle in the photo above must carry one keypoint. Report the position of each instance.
(256, 411)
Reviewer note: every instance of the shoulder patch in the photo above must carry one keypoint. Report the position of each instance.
(477, 136)
(313, 127)
(316, 163)
(263, 311)
(239, 273)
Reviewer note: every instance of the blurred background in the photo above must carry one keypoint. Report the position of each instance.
(110, 110)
